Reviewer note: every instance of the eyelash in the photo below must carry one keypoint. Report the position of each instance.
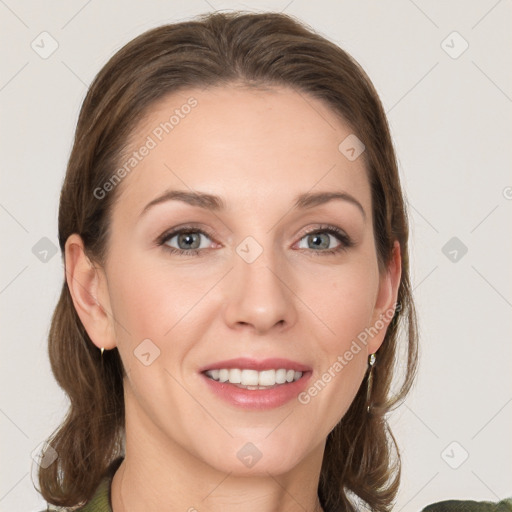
(345, 241)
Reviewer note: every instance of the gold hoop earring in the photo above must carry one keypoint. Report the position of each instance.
(102, 350)
(372, 359)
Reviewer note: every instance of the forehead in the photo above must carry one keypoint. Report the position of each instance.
(249, 145)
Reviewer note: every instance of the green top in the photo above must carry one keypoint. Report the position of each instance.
(470, 506)
(101, 501)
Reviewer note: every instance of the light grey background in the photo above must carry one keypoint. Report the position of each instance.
(451, 122)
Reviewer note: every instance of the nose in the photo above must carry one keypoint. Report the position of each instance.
(259, 296)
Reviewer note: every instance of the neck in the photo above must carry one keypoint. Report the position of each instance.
(159, 474)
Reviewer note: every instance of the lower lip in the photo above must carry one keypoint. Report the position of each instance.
(258, 398)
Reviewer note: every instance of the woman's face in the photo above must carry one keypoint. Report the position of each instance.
(276, 277)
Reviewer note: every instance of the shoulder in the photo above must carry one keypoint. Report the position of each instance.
(470, 506)
(54, 508)
(101, 500)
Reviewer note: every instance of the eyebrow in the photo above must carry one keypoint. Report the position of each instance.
(216, 203)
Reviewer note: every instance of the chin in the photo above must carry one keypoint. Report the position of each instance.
(246, 458)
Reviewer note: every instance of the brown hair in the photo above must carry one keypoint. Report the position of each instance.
(361, 459)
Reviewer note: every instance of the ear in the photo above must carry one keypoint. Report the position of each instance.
(385, 304)
(88, 287)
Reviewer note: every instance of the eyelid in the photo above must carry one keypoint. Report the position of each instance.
(325, 228)
(177, 230)
(343, 238)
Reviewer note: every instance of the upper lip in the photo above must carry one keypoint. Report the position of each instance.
(245, 363)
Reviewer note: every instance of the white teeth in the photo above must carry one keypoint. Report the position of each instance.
(281, 376)
(252, 379)
(214, 374)
(267, 378)
(249, 378)
(235, 376)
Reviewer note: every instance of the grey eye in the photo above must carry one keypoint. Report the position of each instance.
(318, 241)
(187, 241)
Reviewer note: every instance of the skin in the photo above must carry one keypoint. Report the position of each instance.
(258, 150)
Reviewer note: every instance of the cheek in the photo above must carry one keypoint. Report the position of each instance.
(342, 300)
(150, 305)
(154, 300)
(150, 299)
(345, 308)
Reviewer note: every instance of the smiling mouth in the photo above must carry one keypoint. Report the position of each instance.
(253, 379)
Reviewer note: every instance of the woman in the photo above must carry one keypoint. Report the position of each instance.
(235, 244)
